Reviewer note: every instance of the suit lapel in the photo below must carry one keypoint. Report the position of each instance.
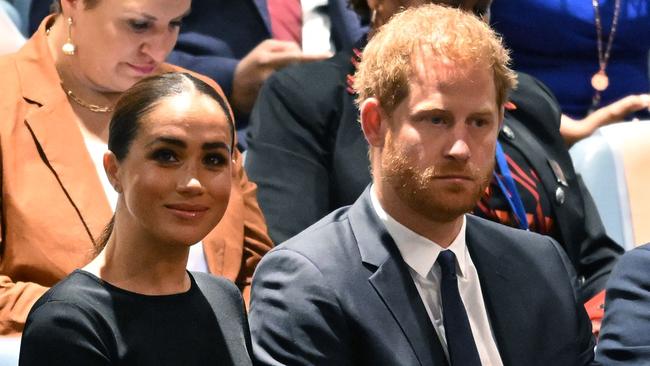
(346, 25)
(263, 10)
(393, 282)
(495, 267)
(58, 138)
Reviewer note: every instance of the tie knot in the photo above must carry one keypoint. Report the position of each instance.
(447, 261)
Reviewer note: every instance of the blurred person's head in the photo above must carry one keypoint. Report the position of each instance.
(170, 152)
(431, 88)
(118, 42)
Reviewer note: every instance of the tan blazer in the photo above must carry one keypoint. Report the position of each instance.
(53, 204)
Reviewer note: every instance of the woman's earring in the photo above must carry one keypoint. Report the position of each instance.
(68, 47)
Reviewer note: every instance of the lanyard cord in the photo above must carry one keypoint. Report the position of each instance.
(509, 189)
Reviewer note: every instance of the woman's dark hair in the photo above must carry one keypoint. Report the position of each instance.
(146, 94)
(137, 102)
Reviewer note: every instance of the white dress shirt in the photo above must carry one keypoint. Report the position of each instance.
(420, 254)
(316, 27)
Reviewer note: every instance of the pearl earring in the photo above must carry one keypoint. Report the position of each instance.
(68, 47)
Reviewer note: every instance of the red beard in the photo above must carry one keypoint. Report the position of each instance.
(422, 190)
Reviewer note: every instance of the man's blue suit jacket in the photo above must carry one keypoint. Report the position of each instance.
(339, 293)
(625, 333)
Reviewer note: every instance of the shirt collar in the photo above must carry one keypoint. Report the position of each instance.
(418, 252)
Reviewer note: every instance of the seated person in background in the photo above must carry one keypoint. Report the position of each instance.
(625, 335)
(230, 41)
(170, 154)
(394, 278)
(58, 97)
(593, 55)
(305, 141)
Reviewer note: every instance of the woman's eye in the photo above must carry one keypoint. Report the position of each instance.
(480, 122)
(139, 26)
(165, 156)
(176, 24)
(214, 160)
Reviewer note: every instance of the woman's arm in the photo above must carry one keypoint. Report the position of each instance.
(16, 299)
(575, 130)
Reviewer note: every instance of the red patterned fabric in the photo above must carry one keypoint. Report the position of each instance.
(494, 206)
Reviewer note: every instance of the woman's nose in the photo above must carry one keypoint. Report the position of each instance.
(190, 185)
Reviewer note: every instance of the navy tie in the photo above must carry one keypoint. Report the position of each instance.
(460, 342)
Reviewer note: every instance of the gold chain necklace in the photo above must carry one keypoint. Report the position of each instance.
(600, 80)
(91, 107)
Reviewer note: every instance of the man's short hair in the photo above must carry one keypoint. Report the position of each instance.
(454, 37)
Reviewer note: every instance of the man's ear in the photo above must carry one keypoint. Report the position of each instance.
(112, 169)
(373, 122)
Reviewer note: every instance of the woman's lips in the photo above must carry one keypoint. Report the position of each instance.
(187, 211)
(143, 69)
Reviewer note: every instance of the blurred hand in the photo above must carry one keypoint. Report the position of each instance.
(259, 64)
(575, 130)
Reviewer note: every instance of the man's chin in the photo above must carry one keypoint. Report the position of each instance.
(444, 205)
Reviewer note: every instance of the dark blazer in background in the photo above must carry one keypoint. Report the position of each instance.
(305, 140)
(218, 33)
(625, 333)
(341, 294)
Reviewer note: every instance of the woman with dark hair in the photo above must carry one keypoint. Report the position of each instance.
(170, 155)
(59, 92)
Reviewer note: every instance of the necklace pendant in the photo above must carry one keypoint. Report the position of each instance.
(600, 81)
